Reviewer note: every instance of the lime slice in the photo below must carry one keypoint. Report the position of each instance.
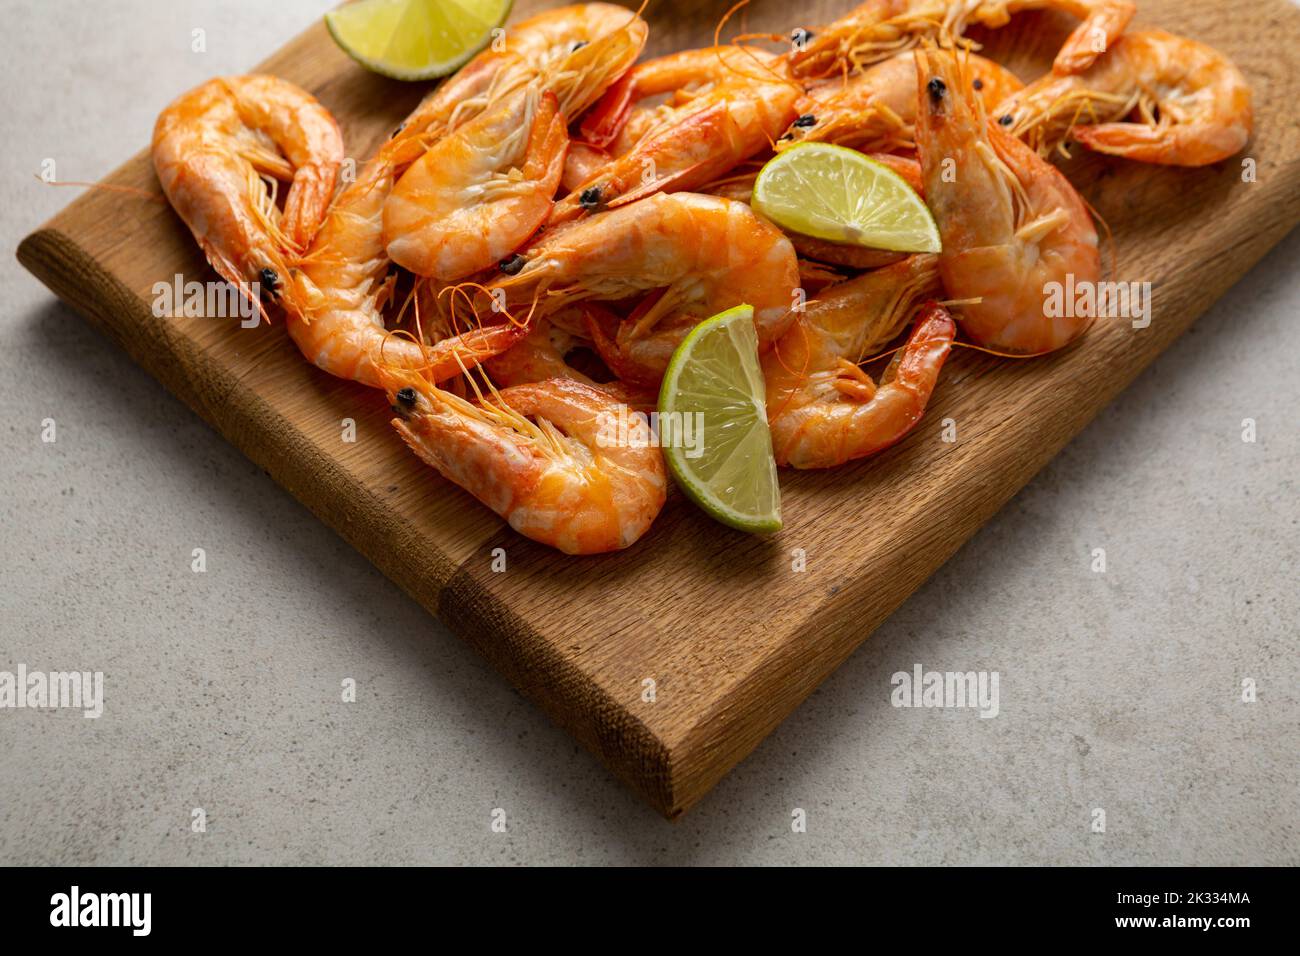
(838, 194)
(715, 381)
(415, 39)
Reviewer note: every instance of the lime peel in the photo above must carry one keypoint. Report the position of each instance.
(715, 373)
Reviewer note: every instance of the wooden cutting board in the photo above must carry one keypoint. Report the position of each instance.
(732, 636)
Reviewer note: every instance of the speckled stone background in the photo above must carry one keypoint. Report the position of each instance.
(1119, 691)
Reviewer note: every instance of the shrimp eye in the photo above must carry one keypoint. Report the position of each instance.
(400, 127)
(590, 197)
(1005, 120)
(936, 88)
(406, 396)
(979, 84)
(512, 265)
(579, 45)
(270, 281)
(803, 122)
(801, 35)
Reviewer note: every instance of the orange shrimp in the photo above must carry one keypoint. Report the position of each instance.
(875, 110)
(550, 350)
(485, 185)
(541, 354)
(747, 102)
(1011, 223)
(477, 195)
(342, 285)
(335, 312)
(823, 409)
(538, 456)
(582, 161)
(212, 147)
(559, 45)
(706, 254)
(1191, 105)
(878, 29)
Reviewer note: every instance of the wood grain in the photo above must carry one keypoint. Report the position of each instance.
(733, 638)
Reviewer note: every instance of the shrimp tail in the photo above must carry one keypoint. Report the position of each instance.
(307, 202)
(1186, 144)
(450, 357)
(868, 419)
(1103, 24)
(548, 142)
(599, 321)
(606, 119)
(916, 367)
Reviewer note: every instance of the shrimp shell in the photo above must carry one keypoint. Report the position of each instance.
(211, 148)
(535, 454)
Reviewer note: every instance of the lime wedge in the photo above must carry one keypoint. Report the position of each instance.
(715, 382)
(838, 194)
(415, 39)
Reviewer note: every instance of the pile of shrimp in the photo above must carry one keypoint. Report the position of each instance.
(519, 261)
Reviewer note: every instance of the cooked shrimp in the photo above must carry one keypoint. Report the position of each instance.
(618, 121)
(335, 312)
(749, 100)
(706, 254)
(580, 49)
(581, 162)
(875, 110)
(823, 409)
(549, 350)
(1010, 222)
(535, 454)
(880, 28)
(343, 283)
(211, 148)
(485, 185)
(1192, 106)
(478, 194)
(540, 355)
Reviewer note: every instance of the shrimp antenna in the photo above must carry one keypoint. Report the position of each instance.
(879, 355)
(460, 287)
(458, 290)
(499, 411)
(994, 352)
(262, 193)
(108, 187)
(1006, 355)
(401, 311)
(717, 31)
(737, 42)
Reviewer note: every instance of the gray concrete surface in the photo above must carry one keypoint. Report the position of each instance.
(1119, 691)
